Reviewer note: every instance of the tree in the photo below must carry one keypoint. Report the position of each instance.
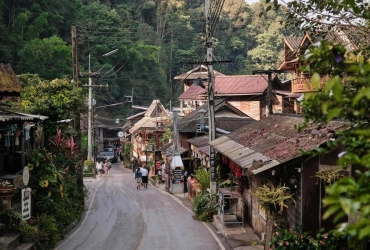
(58, 99)
(48, 57)
(345, 96)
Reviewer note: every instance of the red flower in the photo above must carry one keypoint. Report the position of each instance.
(322, 242)
(277, 233)
(287, 243)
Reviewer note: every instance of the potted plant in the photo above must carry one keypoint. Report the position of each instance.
(28, 232)
(274, 198)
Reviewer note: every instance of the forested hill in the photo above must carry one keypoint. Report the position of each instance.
(156, 40)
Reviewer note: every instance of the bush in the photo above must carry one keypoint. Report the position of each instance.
(204, 178)
(205, 206)
(288, 239)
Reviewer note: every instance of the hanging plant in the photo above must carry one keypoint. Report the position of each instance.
(330, 174)
(274, 199)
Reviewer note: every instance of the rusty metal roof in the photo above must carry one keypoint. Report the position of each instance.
(230, 86)
(240, 85)
(273, 140)
(8, 81)
(193, 93)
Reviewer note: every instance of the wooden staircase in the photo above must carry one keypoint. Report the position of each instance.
(13, 242)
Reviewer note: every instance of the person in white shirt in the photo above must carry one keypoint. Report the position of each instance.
(99, 167)
(144, 176)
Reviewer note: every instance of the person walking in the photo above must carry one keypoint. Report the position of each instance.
(107, 167)
(138, 175)
(144, 176)
(99, 167)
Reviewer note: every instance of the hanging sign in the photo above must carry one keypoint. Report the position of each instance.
(26, 203)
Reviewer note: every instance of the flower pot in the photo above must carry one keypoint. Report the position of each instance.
(5, 219)
(28, 238)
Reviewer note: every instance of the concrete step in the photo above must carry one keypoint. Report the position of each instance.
(9, 241)
(26, 246)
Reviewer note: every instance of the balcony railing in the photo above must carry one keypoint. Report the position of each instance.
(302, 83)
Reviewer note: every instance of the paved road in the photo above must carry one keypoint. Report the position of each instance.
(119, 216)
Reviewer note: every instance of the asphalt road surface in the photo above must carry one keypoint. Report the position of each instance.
(120, 217)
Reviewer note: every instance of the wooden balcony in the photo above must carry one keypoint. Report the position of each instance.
(302, 83)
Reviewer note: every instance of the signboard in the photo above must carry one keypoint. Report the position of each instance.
(26, 176)
(26, 203)
(177, 175)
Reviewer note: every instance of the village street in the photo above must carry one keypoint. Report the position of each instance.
(118, 216)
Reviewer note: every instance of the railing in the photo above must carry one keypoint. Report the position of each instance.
(302, 83)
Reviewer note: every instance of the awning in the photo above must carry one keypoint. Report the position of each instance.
(242, 156)
(14, 116)
(293, 95)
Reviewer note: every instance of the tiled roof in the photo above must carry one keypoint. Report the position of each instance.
(200, 71)
(8, 80)
(273, 140)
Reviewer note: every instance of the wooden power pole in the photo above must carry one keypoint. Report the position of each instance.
(74, 56)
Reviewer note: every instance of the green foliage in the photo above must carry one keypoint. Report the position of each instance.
(57, 193)
(48, 57)
(330, 175)
(205, 206)
(345, 96)
(204, 178)
(274, 199)
(288, 239)
(127, 150)
(166, 136)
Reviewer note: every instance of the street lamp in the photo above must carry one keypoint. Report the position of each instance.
(89, 124)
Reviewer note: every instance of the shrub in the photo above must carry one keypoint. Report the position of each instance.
(202, 175)
(205, 206)
(293, 239)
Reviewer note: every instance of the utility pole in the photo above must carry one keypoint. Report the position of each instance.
(89, 125)
(211, 104)
(74, 56)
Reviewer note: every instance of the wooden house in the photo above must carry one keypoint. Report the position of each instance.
(18, 131)
(268, 150)
(145, 133)
(248, 93)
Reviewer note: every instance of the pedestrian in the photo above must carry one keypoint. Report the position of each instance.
(107, 167)
(144, 176)
(138, 174)
(121, 156)
(99, 167)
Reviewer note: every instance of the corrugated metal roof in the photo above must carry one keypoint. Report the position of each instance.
(16, 116)
(193, 93)
(8, 80)
(273, 140)
(240, 85)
